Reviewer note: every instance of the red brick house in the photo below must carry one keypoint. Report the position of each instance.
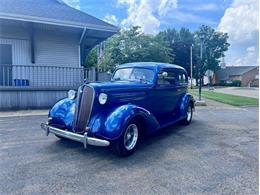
(247, 75)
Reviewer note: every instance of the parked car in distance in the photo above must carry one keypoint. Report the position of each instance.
(140, 99)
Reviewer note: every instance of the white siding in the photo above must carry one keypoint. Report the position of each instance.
(18, 37)
(52, 48)
(56, 49)
(20, 50)
(14, 31)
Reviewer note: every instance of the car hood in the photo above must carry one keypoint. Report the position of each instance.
(119, 85)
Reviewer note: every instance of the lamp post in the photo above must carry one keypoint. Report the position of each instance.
(202, 39)
(191, 66)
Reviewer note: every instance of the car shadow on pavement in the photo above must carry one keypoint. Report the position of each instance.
(151, 147)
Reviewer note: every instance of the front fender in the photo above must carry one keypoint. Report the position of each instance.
(62, 113)
(110, 125)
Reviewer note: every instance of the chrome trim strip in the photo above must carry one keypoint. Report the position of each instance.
(74, 136)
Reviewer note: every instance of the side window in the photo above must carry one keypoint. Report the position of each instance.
(167, 77)
(182, 78)
(185, 78)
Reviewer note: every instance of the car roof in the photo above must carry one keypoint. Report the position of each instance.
(151, 65)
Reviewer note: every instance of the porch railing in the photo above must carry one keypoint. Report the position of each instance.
(43, 76)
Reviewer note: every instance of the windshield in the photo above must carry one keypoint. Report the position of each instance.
(134, 74)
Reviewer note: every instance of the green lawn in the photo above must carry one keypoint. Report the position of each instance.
(226, 98)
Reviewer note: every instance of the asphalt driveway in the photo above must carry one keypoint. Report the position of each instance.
(216, 154)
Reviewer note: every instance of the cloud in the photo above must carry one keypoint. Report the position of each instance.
(206, 7)
(112, 19)
(73, 3)
(188, 18)
(166, 5)
(240, 21)
(250, 54)
(144, 13)
(202, 6)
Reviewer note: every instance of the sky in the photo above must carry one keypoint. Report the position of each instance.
(238, 18)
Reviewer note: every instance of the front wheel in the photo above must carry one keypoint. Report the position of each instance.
(127, 142)
(189, 114)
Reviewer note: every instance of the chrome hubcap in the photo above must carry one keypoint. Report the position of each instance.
(131, 136)
(189, 113)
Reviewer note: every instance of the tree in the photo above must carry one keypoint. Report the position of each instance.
(134, 46)
(170, 46)
(91, 59)
(180, 43)
(214, 45)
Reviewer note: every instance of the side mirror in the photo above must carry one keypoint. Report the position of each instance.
(109, 73)
(165, 74)
(165, 78)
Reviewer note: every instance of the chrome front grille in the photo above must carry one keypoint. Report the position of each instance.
(83, 109)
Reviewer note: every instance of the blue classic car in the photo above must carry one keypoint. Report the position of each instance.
(141, 98)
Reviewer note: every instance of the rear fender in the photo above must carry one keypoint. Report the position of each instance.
(184, 102)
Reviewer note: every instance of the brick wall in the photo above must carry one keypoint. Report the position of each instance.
(248, 77)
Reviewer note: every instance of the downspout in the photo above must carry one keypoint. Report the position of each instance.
(80, 42)
(32, 43)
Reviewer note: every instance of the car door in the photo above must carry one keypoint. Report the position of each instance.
(165, 95)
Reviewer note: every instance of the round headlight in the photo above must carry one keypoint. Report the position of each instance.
(71, 94)
(102, 98)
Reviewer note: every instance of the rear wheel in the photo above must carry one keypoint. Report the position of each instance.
(189, 114)
(127, 142)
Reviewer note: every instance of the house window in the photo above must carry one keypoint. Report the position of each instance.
(5, 64)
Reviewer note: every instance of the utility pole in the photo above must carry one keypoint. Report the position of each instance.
(191, 78)
(200, 69)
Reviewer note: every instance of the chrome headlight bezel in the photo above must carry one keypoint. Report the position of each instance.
(72, 94)
(102, 98)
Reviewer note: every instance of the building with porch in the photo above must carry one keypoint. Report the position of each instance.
(43, 45)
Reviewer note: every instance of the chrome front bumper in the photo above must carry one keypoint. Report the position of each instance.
(74, 136)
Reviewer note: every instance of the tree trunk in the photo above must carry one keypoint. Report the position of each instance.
(197, 82)
(202, 80)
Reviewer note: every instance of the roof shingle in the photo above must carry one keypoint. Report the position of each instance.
(225, 73)
(51, 10)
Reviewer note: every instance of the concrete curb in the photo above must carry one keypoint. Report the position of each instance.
(23, 113)
(200, 103)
